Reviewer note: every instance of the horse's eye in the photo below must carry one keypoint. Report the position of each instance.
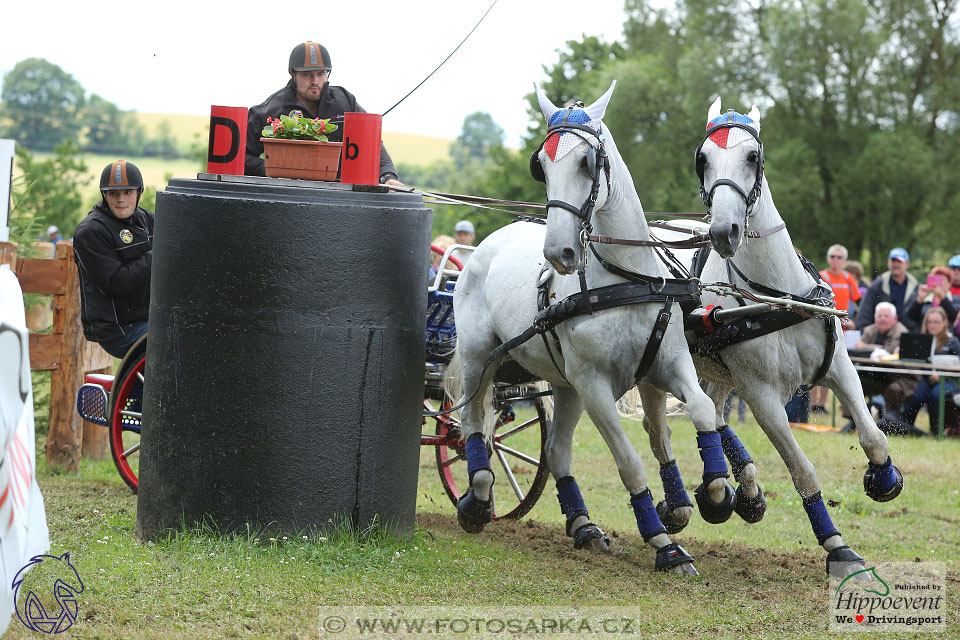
(701, 163)
(752, 157)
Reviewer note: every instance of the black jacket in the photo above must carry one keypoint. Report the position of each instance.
(113, 259)
(334, 102)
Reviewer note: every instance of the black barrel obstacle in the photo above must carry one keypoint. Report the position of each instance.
(285, 357)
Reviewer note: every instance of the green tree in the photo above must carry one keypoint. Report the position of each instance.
(49, 191)
(478, 136)
(42, 103)
(109, 129)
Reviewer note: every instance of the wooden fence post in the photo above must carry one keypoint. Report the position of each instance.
(67, 355)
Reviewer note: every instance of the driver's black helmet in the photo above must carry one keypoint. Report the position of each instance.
(121, 175)
(309, 56)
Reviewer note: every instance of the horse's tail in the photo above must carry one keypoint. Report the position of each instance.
(453, 388)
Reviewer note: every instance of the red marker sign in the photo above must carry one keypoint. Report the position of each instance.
(227, 149)
(361, 148)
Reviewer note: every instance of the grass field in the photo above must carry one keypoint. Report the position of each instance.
(761, 580)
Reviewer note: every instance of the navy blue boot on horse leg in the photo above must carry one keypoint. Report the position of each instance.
(579, 527)
(883, 482)
(675, 497)
(670, 555)
(474, 510)
(751, 509)
(841, 559)
(714, 506)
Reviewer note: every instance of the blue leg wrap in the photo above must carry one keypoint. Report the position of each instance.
(568, 492)
(476, 452)
(673, 487)
(736, 453)
(648, 522)
(819, 518)
(886, 475)
(711, 452)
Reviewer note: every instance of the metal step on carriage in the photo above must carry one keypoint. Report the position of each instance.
(521, 404)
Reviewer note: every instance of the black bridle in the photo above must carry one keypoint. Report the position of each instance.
(596, 159)
(707, 195)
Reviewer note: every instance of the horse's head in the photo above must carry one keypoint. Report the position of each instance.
(572, 161)
(729, 163)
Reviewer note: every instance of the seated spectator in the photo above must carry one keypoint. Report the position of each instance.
(928, 390)
(937, 296)
(53, 234)
(954, 265)
(896, 286)
(885, 334)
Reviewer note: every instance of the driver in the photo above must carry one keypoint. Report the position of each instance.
(113, 247)
(309, 92)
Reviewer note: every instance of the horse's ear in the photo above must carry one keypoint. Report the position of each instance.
(598, 108)
(755, 116)
(546, 107)
(714, 111)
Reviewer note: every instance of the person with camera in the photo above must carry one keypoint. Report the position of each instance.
(935, 292)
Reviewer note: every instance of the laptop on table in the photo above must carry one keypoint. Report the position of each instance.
(916, 347)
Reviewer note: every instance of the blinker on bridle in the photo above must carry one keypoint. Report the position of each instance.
(596, 161)
(751, 197)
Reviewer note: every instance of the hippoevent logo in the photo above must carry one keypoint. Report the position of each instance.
(45, 592)
(890, 596)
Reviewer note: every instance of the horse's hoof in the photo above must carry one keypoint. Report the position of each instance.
(590, 536)
(842, 561)
(883, 482)
(712, 512)
(673, 521)
(674, 558)
(472, 513)
(751, 509)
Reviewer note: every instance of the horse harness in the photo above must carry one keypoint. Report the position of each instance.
(641, 288)
(711, 342)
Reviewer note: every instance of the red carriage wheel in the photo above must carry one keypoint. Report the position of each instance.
(126, 414)
(517, 459)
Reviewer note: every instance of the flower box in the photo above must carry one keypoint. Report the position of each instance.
(303, 159)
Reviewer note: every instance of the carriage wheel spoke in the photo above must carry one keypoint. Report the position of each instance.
(140, 376)
(510, 477)
(126, 413)
(454, 460)
(126, 454)
(517, 429)
(517, 454)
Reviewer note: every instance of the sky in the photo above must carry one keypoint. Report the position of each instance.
(182, 57)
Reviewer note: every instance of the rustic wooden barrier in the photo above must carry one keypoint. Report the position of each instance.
(64, 352)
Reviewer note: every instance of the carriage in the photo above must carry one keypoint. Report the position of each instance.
(116, 402)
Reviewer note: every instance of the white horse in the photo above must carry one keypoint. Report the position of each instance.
(590, 351)
(753, 250)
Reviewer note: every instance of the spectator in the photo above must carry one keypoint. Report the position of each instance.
(954, 265)
(891, 390)
(928, 390)
(54, 235)
(855, 269)
(937, 295)
(845, 291)
(113, 248)
(464, 233)
(732, 397)
(309, 92)
(896, 286)
(443, 243)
